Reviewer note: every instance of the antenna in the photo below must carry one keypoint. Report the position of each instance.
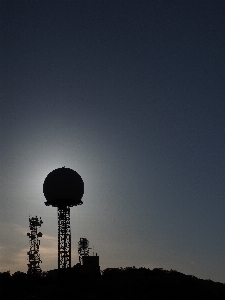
(63, 188)
(83, 249)
(33, 254)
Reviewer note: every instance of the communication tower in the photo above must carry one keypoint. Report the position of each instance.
(89, 264)
(33, 254)
(63, 188)
(83, 249)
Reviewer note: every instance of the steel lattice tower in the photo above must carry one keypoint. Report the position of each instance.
(63, 188)
(64, 238)
(33, 254)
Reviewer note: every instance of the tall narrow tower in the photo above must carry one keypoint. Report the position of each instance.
(33, 254)
(63, 188)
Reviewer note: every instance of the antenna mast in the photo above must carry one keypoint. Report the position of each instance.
(33, 254)
(83, 249)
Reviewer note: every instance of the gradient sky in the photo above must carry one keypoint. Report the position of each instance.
(131, 95)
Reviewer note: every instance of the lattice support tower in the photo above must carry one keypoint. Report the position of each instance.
(63, 188)
(64, 238)
(33, 254)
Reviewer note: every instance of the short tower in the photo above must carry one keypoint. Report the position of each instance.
(89, 264)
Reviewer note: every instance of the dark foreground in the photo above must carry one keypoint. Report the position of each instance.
(128, 283)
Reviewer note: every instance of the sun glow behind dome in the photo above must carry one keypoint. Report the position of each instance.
(63, 187)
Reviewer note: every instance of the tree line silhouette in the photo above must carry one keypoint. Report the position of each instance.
(112, 283)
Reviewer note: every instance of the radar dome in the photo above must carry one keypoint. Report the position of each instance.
(63, 187)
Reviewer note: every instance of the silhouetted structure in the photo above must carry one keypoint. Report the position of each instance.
(89, 264)
(63, 188)
(33, 254)
(83, 249)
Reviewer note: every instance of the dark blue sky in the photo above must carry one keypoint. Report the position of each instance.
(130, 94)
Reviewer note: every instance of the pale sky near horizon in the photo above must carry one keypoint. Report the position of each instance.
(130, 94)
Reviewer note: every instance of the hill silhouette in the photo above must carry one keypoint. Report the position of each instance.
(113, 283)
